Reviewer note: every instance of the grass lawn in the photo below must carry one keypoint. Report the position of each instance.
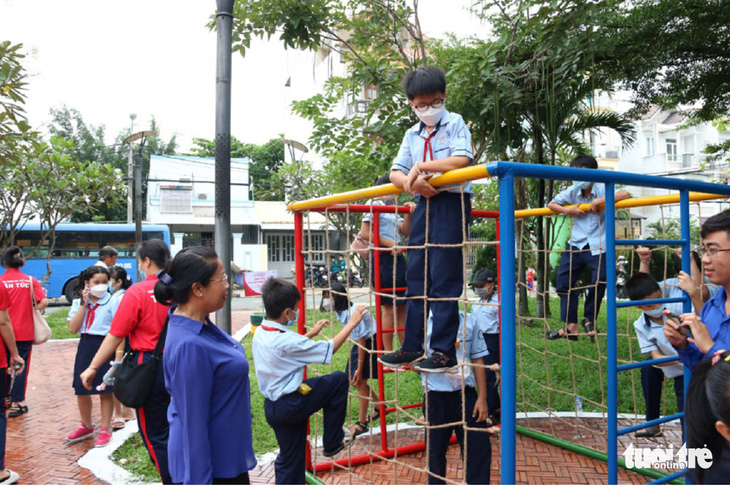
(58, 324)
(550, 375)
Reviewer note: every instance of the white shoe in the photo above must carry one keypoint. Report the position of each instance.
(12, 479)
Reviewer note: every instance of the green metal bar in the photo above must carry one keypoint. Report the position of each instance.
(579, 449)
(310, 478)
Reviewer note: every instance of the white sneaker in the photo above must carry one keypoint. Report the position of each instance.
(12, 479)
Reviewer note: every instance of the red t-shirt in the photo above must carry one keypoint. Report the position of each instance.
(21, 306)
(4, 305)
(140, 316)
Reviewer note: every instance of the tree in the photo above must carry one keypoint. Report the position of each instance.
(265, 162)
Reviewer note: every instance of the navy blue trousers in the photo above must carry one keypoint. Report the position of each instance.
(448, 218)
(288, 417)
(152, 419)
(652, 383)
(568, 276)
(493, 402)
(445, 408)
(17, 394)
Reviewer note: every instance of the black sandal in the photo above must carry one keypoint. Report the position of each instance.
(590, 329)
(373, 416)
(363, 429)
(18, 411)
(553, 335)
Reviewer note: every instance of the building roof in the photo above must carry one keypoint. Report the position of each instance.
(274, 215)
(674, 117)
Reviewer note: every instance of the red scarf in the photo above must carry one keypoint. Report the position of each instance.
(267, 328)
(427, 144)
(90, 317)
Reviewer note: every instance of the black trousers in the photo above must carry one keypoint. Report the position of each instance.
(445, 408)
(288, 417)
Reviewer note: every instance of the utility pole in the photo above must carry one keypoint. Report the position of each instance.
(129, 173)
(224, 21)
(138, 188)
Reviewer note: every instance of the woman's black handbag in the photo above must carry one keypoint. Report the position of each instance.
(134, 382)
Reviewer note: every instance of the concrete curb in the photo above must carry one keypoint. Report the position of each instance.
(98, 459)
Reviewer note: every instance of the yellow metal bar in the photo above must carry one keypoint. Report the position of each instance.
(470, 173)
(627, 203)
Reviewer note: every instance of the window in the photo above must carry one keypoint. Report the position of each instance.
(176, 200)
(649, 146)
(198, 239)
(281, 247)
(672, 149)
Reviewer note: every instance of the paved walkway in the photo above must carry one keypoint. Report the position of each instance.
(37, 448)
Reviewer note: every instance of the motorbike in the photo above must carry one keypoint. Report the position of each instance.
(316, 276)
(355, 280)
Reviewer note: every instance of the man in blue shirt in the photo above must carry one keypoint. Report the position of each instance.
(439, 143)
(711, 331)
(585, 248)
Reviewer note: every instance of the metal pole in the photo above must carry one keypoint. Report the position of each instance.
(138, 206)
(508, 333)
(130, 186)
(611, 340)
(224, 19)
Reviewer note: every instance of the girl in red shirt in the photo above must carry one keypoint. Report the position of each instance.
(19, 287)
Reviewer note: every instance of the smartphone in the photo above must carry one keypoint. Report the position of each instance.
(684, 330)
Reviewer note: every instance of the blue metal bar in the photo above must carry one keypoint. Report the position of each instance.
(536, 171)
(686, 267)
(648, 362)
(663, 300)
(508, 335)
(650, 423)
(611, 341)
(671, 477)
(650, 242)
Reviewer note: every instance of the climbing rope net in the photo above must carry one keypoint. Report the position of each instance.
(552, 377)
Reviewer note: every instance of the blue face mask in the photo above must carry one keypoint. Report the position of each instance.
(656, 312)
(111, 288)
(294, 322)
(582, 184)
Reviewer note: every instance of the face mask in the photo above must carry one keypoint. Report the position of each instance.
(293, 322)
(99, 291)
(431, 116)
(327, 305)
(482, 292)
(582, 184)
(656, 312)
(112, 288)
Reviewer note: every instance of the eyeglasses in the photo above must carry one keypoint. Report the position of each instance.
(710, 252)
(422, 107)
(224, 278)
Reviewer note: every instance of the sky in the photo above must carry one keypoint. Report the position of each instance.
(111, 58)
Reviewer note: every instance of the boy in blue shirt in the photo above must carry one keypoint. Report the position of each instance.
(649, 328)
(280, 356)
(585, 248)
(486, 315)
(440, 142)
(444, 406)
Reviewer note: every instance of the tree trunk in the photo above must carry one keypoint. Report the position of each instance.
(542, 307)
(521, 191)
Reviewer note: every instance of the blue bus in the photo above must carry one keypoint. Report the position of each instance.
(77, 247)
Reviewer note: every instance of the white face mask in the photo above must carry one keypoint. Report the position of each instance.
(327, 305)
(582, 184)
(99, 291)
(431, 116)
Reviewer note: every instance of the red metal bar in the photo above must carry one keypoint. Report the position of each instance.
(375, 456)
(379, 329)
(405, 407)
(366, 208)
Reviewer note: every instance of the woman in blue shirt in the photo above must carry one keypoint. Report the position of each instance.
(206, 374)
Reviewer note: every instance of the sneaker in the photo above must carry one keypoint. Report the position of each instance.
(12, 479)
(400, 358)
(436, 363)
(652, 431)
(346, 441)
(83, 432)
(105, 435)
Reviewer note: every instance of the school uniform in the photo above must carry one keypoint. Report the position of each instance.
(280, 357)
(585, 248)
(651, 338)
(365, 330)
(444, 406)
(487, 321)
(140, 318)
(21, 317)
(206, 375)
(390, 229)
(95, 326)
(447, 217)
